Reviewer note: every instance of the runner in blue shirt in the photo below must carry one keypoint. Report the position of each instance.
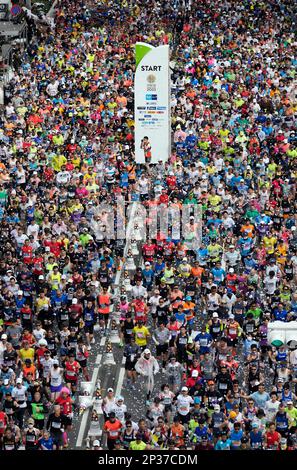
(204, 340)
(201, 430)
(224, 443)
(219, 274)
(256, 437)
(235, 437)
(148, 276)
(46, 442)
(245, 245)
(202, 255)
(260, 397)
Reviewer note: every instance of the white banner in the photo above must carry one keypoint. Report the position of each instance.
(152, 103)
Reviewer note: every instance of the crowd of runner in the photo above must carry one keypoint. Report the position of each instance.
(193, 315)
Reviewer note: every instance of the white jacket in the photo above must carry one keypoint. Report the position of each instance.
(147, 367)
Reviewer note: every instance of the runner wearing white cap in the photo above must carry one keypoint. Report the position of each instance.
(183, 405)
(147, 366)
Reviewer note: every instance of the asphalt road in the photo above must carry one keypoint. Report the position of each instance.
(109, 375)
(113, 375)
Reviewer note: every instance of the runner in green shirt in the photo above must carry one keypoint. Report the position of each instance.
(138, 444)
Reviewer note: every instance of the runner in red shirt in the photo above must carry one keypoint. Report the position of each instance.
(149, 250)
(37, 263)
(71, 147)
(65, 402)
(168, 248)
(72, 368)
(40, 352)
(55, 247)
(140, 310)
(171, 181)
(49, 174)
(3, 423)
(272, 438)
(27, 317)
(164, 198)
(231, 280)
(27, 252)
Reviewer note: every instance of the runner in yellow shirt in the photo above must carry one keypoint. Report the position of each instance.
(142, 334)
(269, 242)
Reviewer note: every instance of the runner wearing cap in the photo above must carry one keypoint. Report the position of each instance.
(147, 366)
(112, 428)
(183, 405)
(120, 409)
(30, 435)
(96, 445)
(108, 402)
(19, 394)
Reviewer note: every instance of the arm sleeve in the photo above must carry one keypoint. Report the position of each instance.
(49, 421)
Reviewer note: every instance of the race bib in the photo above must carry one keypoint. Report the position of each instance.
(56, 425)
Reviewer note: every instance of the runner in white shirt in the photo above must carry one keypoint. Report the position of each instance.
(19, 393)
(270, 282)
(120, 409)
(153, 303)
(55, 379)
(63, 177)
(271, 407)
(33, 229)
(183, 405)
(108, 402)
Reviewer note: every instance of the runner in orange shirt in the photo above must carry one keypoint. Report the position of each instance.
(177, 432)
(197, 272)
(104, 304)
(112, 428)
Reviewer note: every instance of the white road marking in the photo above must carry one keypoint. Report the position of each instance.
(128, 239)
(85, 417)
(120, 381)
(118, 275)
(117, 282)
(98, 359)
(103, 341)
(82, 429)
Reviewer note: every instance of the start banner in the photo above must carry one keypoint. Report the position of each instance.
(152, 103)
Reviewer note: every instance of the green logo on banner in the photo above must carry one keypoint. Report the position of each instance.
(141, 49)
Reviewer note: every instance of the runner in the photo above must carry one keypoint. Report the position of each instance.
(147, 366)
